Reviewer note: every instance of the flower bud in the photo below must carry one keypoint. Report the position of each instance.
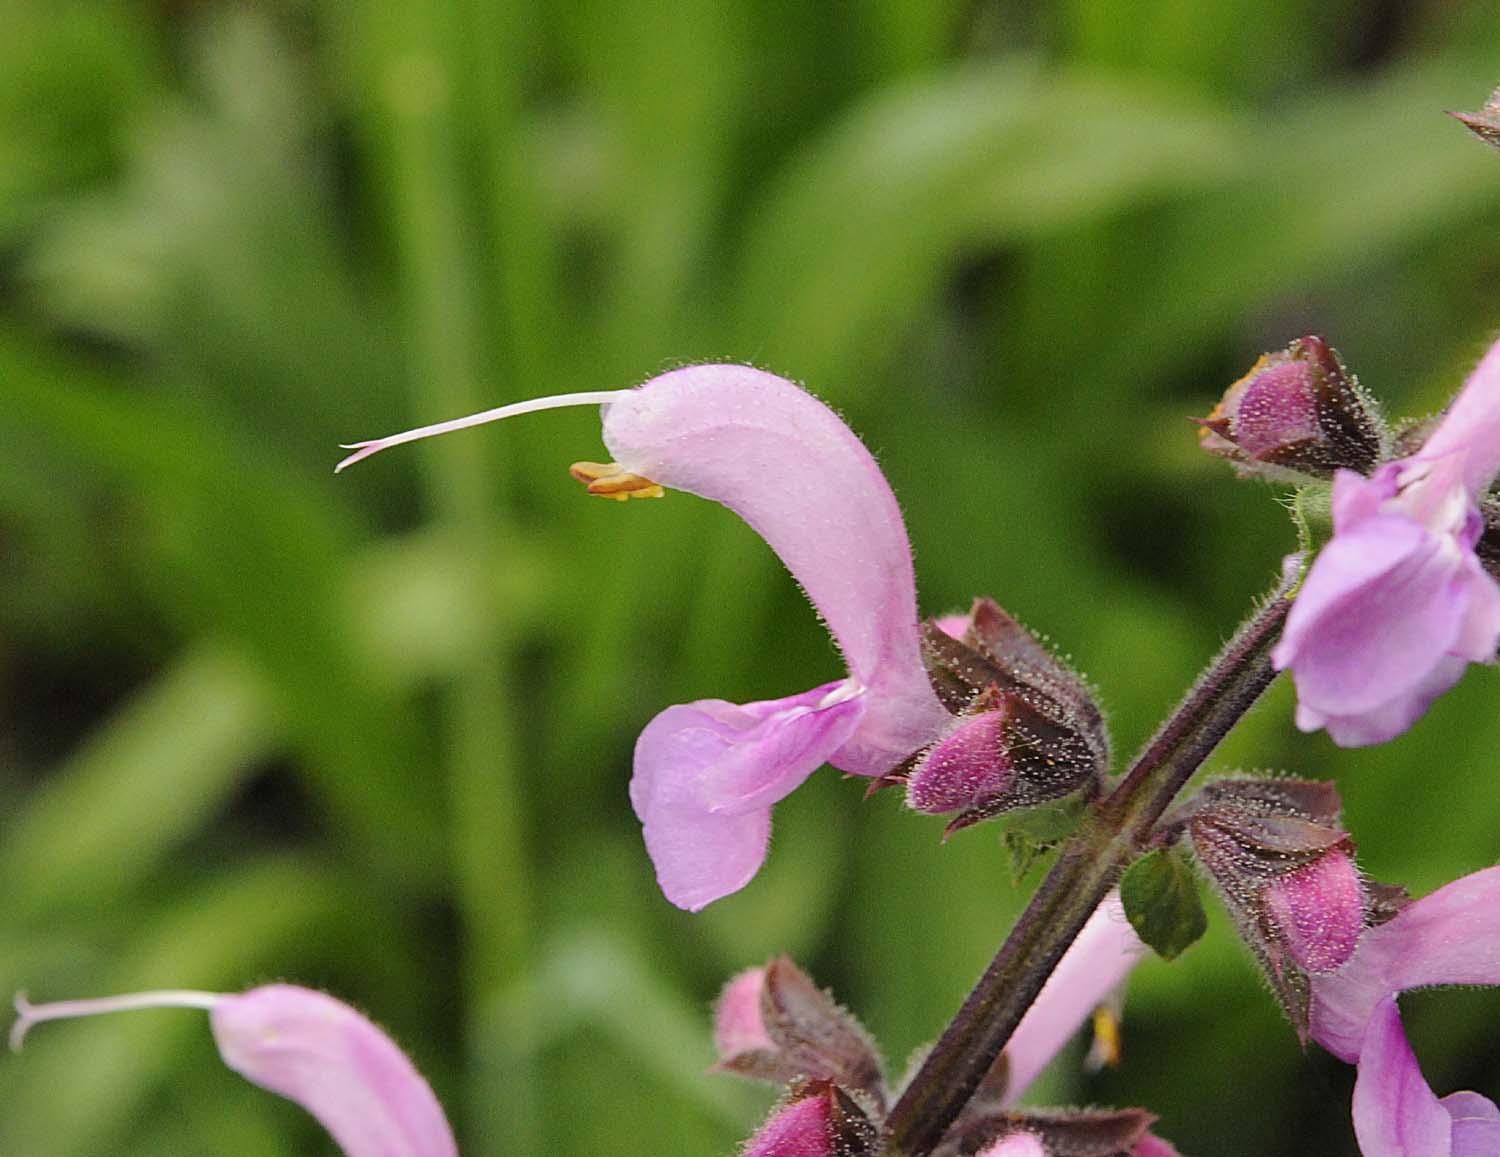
(1319, 910)
(1026, 728)
(774, 1024)
(970, 768)
(821, 1122)
(1297, 413)
(740, 1037)
(1286, 870)
(802, 1129)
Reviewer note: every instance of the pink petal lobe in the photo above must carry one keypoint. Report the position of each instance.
(790, 467)
(738, 1027)
(1480, 628)
(316, 1051)
(1096, 963)
(1451, 936)
(1395, 1113)
(1378, 611)
(1470, 1106)
(1476, 1125)
(1152, 1146)
(1471, 426)
(707, 773)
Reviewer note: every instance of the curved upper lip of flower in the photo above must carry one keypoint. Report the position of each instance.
(791, 468)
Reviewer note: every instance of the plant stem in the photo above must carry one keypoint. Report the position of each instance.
(1112, 835)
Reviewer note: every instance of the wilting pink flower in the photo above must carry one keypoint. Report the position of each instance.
(707, 773)
(1094, 966)
(309, 1048)
(1397, 604)
(1449, 937)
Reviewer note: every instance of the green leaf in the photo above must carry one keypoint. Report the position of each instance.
(1161, 902)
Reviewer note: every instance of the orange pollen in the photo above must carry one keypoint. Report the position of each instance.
(611, 480)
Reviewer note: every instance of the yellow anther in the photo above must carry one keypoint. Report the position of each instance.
(1109, 1045)
(611, 480)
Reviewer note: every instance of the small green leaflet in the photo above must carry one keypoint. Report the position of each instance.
(1162, 904)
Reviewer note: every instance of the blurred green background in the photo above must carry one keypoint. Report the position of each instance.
(373, 732)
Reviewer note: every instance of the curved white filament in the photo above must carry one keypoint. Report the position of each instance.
(556, 402)
(28, 1014)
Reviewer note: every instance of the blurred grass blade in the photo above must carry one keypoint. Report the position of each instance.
(142, 783)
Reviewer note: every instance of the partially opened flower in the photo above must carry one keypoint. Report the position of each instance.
(1449, 937)
(309, 1048)
(1278, 855)
(1397, 604)
(707, 773)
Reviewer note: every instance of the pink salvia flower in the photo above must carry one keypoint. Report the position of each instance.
(1397, 604)
(707, 773)
(309, 1048)
(1449, 937)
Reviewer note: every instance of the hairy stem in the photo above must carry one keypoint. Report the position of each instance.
(1113, 834)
